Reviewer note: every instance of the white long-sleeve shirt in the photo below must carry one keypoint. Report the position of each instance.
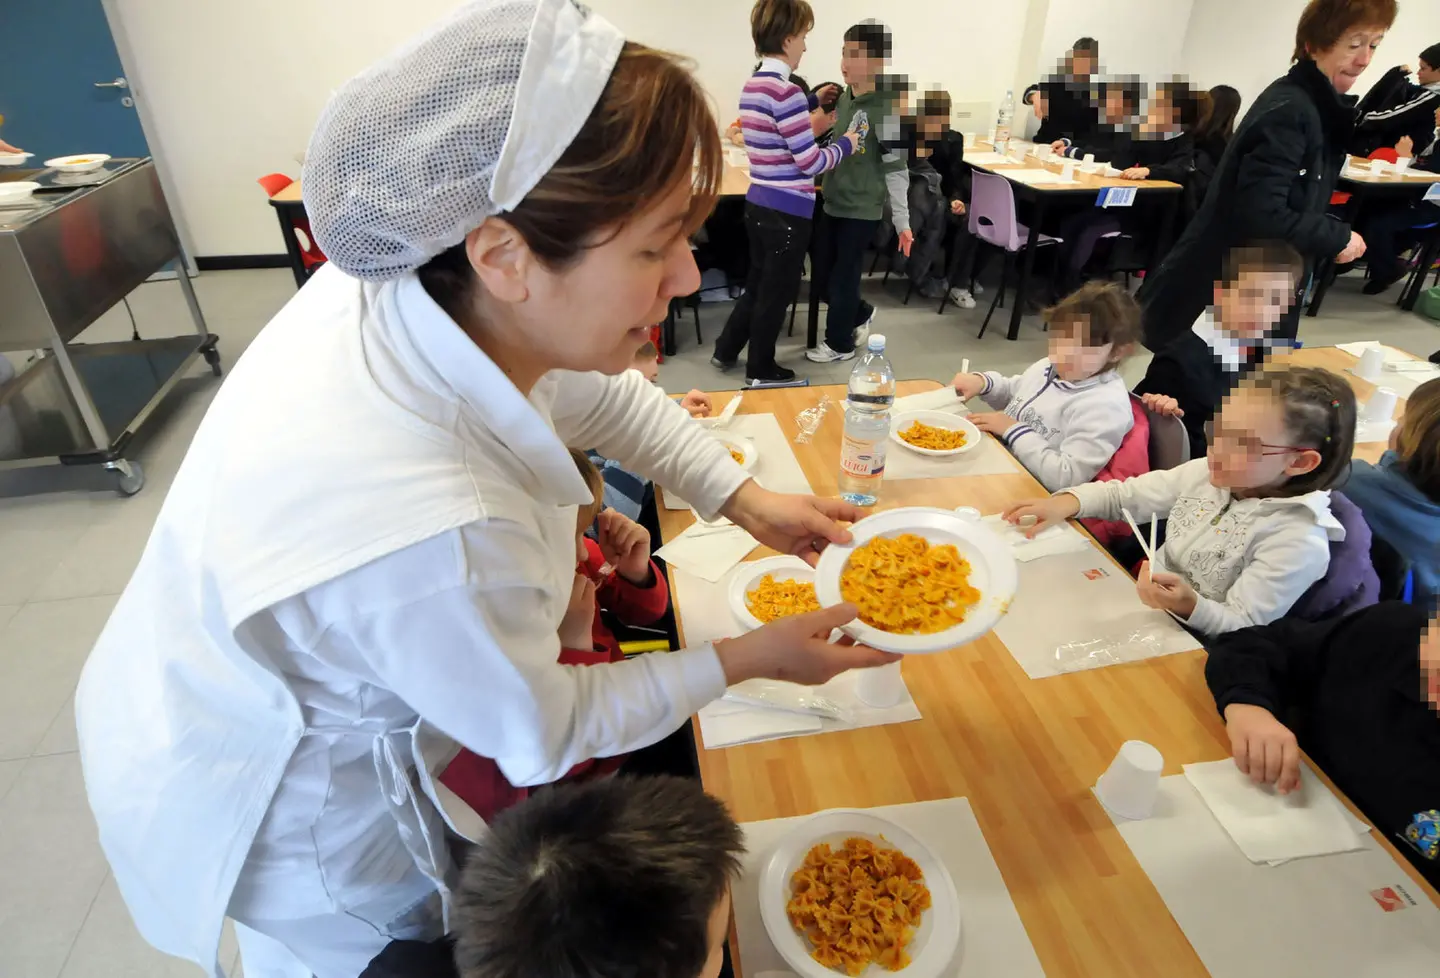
(1249, 560)
(1068, 431)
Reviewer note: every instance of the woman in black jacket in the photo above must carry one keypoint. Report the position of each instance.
(1277, 174)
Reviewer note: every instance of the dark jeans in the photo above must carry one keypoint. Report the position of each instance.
(843, 243)
(778, 243)
(1082, 231)
(1387, 232)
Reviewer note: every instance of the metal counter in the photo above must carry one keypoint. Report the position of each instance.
(79, 248)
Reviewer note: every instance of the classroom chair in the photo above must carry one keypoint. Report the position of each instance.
(993, 222)
(1391, 568)
(1169, 441)
(311, 257)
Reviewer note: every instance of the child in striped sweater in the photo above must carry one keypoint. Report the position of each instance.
(784, 161)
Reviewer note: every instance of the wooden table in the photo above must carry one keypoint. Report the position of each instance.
(1042, 197)
(1025, 752)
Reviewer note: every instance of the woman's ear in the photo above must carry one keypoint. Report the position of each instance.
(501, 259)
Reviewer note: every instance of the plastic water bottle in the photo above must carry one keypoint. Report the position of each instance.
(867, 425)
(1003, 120)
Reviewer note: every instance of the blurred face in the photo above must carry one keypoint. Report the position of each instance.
(1161, 115)
(1428, 74)
(1430, 661)
(1082, 64)
(719, 931)
(856, 65)
(1115, 107)
(932, 127)
(1250, 447)
(795, 49)
(1250, 306)
(1073, 360)
(1351, 55)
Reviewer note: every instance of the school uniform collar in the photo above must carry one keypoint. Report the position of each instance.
(1231, 354)
(440, 374)
(1317, 502)
(773, 66)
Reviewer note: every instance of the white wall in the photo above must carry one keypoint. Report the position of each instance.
(234, 88)
(1137, 37)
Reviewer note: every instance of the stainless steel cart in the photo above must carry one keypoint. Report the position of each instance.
(81, 246)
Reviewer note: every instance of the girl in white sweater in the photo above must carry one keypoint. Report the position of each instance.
(1065, 416)
(1250, 524)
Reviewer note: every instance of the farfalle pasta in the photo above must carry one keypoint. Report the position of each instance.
(858, 904)
(923, 435)
(772, 599)
(907, 586)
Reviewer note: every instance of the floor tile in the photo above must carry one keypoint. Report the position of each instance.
(9, 771)
(51, 863)
(61, 738)
(41, 652)
(102, 558)
(43, 547)
(7, 611)
(108, 946)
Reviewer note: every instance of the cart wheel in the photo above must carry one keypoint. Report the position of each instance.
(131, 482)
(212, 357)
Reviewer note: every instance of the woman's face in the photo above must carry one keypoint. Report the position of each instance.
(795, 49)
(1349, 56)
(597, 313)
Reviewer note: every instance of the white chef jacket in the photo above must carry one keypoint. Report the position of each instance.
(371, 526)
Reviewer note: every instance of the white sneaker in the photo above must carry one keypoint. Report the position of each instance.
(823, 354)
(962, 298)
(976, 288)
(862, 332)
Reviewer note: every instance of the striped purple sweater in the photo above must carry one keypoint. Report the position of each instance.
(784, 160)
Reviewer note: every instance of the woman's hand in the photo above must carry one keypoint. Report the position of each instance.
(576, 627)
(996, 423)
(7, 148)
(1352, 251)
(625, 545)
(1059, 146)
(968, 385)
(1163, 405)
(957, 207)
(1045, 513)
(1165, 592)
(797, 649)
(798, 525)
(1137, 173)
(697, 403)
(1264, 748)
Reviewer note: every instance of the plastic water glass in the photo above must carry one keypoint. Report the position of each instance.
(1131, 784)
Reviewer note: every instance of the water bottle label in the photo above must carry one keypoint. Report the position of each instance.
(862, 457)
(884, 399)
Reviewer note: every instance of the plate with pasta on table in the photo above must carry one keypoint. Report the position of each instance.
(850, 893)
(924, 580)
(766, 590)
(742, 450)
(935, 433)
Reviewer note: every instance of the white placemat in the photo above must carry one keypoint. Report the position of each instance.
(1036, 175)
(993, 941)
(777, 468)
(1351, 915)
(986, 158)
(708, 552)
(990, 458)
(941, 399)
(1063, 538)
(1077, 611)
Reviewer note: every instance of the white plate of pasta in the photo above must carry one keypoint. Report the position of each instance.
(883, 876)
(924, 580)
(935, 433)
(742, 450)
(775, 587)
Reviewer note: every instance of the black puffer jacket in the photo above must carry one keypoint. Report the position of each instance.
(1274, 182)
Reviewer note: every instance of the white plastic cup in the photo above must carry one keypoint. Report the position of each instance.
(881, 687)
(1403, 164)
(1378, 168)
(1381, 406)
(1372, 361)
(1131, 784)
(993, 134)
(1067, 170)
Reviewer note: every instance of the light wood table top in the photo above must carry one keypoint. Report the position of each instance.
(1338, 361)
(1084, 181)
(1412, 177)
(290, 195)
(1024, 752)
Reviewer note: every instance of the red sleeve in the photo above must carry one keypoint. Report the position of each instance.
(632, 605)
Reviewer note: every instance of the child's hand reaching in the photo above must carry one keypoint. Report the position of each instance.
(1165, 592)
(1162, 405)
(576, 627)
(968, 385)
(697, 403)
(1042, 512)
(625, 545)
(995, 422)
(1264, 748)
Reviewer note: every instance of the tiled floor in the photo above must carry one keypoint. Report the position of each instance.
(71, 544)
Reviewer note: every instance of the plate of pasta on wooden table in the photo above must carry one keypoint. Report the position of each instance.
(924, 580)
(847, 892)
(742, 450)
(766, 590)
(935, 433)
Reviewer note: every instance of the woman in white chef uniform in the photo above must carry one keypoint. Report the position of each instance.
(375, 524)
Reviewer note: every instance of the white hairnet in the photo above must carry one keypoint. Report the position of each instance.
(460, 124)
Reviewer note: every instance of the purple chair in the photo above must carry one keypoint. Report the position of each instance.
(993, 221)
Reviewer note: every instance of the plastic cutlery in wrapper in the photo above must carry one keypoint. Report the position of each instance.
(810, 419)
(722, 420)
(772, 694)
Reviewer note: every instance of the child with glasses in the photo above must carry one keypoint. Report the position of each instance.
(1250, 524)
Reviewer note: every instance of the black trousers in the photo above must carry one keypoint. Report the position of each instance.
(843, 244)
(1387, 231)
(778, 244)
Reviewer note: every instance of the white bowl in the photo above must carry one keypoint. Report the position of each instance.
(993, 573)
(17, 190)
(742, 445)
(936, 419)
(745, 577)
(14, 159)
(937, 940)
(78, 163)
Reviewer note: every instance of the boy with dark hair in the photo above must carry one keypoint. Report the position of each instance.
(1069, 95)
(1396, 108)
(1191, 377)
(939, 187)
(608, 879)
(856, 191)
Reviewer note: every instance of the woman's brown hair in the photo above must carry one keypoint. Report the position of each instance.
(772, 22)
(1105, 313)
(1319, 411)
(1324, 22)
(1418, 440)
(651, 125)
